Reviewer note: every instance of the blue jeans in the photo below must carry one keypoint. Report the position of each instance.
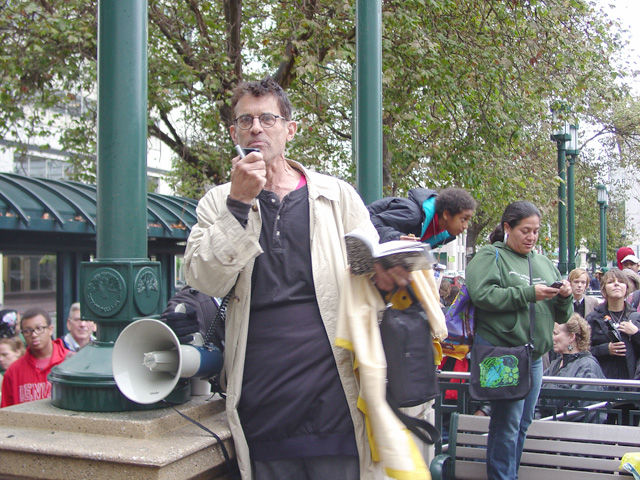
(508, 427)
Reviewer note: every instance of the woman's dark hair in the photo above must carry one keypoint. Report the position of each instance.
(512, 216)
(261, 88)
(611, 274)
(454, 200)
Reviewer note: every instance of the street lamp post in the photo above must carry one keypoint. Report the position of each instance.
(593, 256)
(561, 137)
(571, 153)
(602, 201)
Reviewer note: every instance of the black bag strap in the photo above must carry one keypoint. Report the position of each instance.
(422, 429)
(532, 308)
(412, 294)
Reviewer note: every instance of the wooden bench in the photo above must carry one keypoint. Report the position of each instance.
(552, 450)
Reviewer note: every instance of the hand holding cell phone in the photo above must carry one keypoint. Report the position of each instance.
(248, 175)
(557, 284)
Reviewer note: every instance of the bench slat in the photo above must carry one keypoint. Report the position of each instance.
(582, 463)
(614, 434)
(537, 473)
(476, 423)
(579, 448)
(472, 439)
(467, 453)
(471, 470)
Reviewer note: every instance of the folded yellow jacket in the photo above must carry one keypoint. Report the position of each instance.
(358, 331)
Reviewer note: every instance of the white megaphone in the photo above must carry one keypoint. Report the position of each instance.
(148, 361)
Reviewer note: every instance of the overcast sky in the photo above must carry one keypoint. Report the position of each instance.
(628, 11)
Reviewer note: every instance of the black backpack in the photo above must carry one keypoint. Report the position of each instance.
(411, 372)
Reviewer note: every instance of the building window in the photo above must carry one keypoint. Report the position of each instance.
(29, 273)
(36, 166)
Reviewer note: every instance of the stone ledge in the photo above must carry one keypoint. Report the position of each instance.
(172, 447)
(142, 424)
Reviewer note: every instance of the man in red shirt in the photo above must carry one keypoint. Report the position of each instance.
(26, 378)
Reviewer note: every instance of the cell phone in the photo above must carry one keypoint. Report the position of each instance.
(243, 152)
(557, 284)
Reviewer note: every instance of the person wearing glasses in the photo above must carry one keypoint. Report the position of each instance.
(26, 378)
(275, 232)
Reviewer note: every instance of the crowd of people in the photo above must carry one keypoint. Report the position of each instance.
(274, 235)
(576, 334)
(28, 351)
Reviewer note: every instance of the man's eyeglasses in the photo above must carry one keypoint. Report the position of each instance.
(27, 332)
(267, 120)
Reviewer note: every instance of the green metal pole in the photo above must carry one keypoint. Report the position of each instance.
(562, 214)
(122, 130)
(571, 213)
(603, 235)
(122, 285)
(369, 99)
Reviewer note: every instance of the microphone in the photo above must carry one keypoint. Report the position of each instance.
(614, 334)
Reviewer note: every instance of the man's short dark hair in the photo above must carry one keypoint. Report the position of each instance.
(261, 88)
(34, 312)
(454, 200)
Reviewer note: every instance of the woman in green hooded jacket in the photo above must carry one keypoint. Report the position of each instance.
(501, 289)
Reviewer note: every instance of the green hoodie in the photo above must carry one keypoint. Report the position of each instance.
(498, 283)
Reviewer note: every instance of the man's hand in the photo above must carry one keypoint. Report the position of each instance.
(388, 280)
(184, 325)
(565, 290)
(248, 177)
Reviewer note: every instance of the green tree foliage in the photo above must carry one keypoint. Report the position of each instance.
(467, 87)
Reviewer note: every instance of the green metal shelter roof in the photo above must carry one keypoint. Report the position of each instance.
(34, 211)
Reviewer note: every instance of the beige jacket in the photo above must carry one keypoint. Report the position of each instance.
(220, 252)
(589, 304)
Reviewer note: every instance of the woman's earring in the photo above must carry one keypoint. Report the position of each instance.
(570, 348)
(506, 237)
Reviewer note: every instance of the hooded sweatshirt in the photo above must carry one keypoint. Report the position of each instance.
(24, 382)
(498, 283)
(416, 215)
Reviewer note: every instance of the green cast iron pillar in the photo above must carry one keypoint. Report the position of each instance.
(602, 202)
(122, 284)
(571, 214)
(571, 153)
(368, 135)
(561, 139)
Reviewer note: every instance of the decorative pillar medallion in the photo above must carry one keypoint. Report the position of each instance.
(105, 292)
(147, 291)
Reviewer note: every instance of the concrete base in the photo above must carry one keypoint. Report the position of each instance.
(40, 441)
